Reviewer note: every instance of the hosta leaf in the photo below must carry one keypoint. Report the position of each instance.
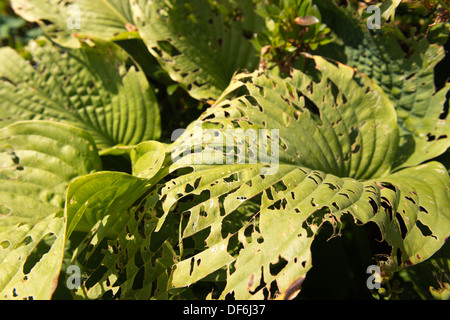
(128, 265)
(147, 158)
(430, 279)
(31, 258)
(338, 136)
(197, 44)
(91, 197)
(88, 87)
(63, 20)
(39, 159)
(413, 202)
(407, 78)
(108, 206)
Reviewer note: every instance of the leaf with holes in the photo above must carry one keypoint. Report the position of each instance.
(116, 211)
(88, 87)
(64, 21)
(199, 45)
(92, 197)
(305, 150)
(406, 77)
(39, 159)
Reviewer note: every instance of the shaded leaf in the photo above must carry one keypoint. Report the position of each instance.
(198, 45)
(64, 21)
(405, 71)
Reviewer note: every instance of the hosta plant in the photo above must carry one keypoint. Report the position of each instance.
(306, 133)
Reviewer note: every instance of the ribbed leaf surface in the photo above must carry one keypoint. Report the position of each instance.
(88, 87)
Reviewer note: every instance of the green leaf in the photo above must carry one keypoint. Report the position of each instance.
(64, 21)
(92, 197)
(117, 212)
(338, 137)
(198, 45)
(388, 9)
(147, 158)
(406, 77)
(39, 159)
(430, 279)
(88, 87)
(22, 246)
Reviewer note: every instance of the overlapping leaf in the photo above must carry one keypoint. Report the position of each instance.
(111, 208)
(199, 45)
(39, 159)
(338, 137)
(65, 20)
(88, 87)
(407, 77)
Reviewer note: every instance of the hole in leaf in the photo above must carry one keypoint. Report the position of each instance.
(424, 229)
(278, 266)
(167, 47)
(38, 252)
(192, 266)
(261, 285)
(444, 113)
(188, 188)
(269, 194)
(422, 209)
(312, 178)
(402, 225)
(335, 205)
(248, 231)
(27, 240)
(280, 186)
(138, 260)
(331, 186)
(232, 178)
(389, 186)
(14, 157)
(356, 148)
(344, 194)
(313, 109)
(374, 205)
(387, 207)
(96, 276)
(410, 199)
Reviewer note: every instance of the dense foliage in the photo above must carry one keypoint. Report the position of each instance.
(315, 145)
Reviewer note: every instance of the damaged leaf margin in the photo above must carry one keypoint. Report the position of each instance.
(269, 252)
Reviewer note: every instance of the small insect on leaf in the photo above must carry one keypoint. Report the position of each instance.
(306, 21)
